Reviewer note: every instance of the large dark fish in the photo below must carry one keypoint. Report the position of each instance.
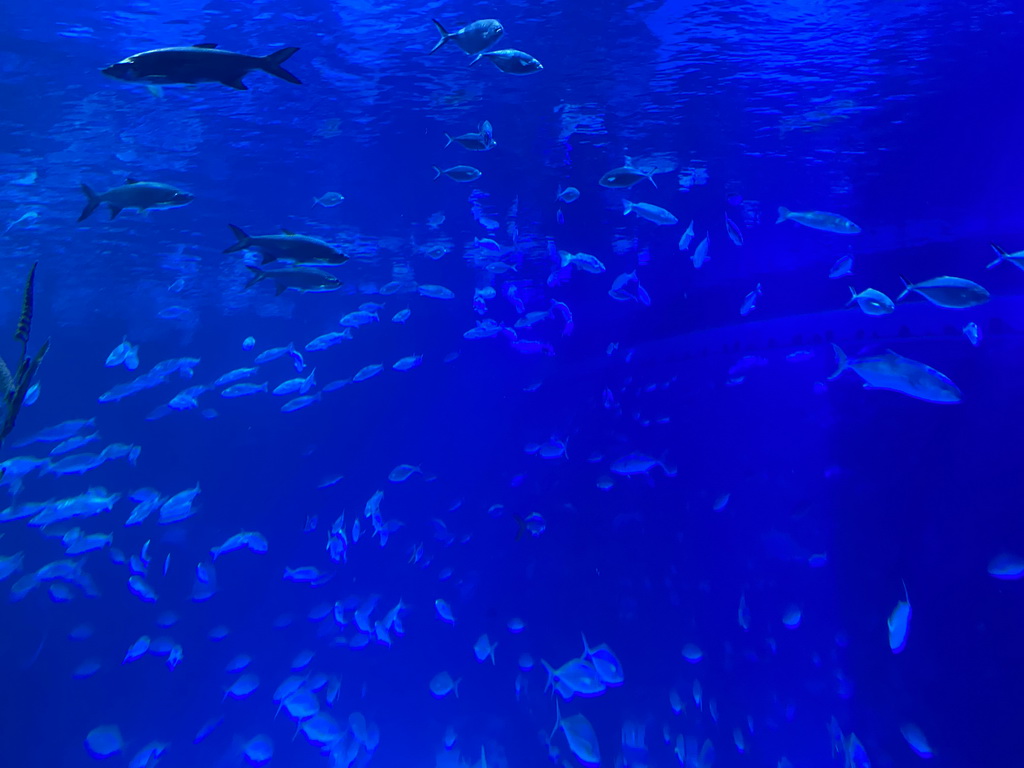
(138, 195)
(203, 63)
(301, 279)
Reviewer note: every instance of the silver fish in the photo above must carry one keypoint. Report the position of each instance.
(894, 372)
(137, 195)
(948, 292)
(827, 222)
(472, 38)
(203, 63)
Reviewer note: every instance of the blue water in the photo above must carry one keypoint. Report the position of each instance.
(763, 482)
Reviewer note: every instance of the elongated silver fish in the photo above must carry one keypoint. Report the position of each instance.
(472, 38)
(301, 249)
(827, 222)
(948, 292)
(137, 195)
(894, 372)
(203, 63)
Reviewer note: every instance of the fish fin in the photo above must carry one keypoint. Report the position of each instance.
(627, 206)
(783, 214)
(279, 288)
(444, 35)
(586, 647)
(131, 180)
(842, 362)
(156, 91)
(1000, 253)
(25, 319)
(907, 288)
(272, 64)
(242, 240)
(650, 178)
(257, 275)
(551, 675)
(205, 45)
(114, 210)
(91, 204)
(267, 258)
(853, 296)
(437, 172)
(237, 84)
(287, 232)
(558, 720)
(315, 201)
(476, 59)
(450, 140)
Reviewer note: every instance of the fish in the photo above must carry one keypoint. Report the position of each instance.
(606, 663)
(243, 389)
(442, 684)
(329, 199)
(137, 195)
(368, 372)
(444, 611)
(871, 302)
(510, 61)
(288, 246)
(733, 230)
(899, 623)
(652, 213)
(435, 291)
(580, 735)
(971, 331)
(894, 372)
(300, 279)
(686, 238)
(328, 340)
(700, 255)
(826, 222)
(842, 268)
(916, 740)
(236, 375)
(303, 401)
(403, 472)
(481, 141)
(104, 741)
(473, 38)
(203, 63)
(582, 261)
(625, 177)
(401, 316)
(484, 648)
(639, 464)
(460, 173)
(1006, 566)
(947, 292)
(567, 195)
(750, 301)
(1017, 259)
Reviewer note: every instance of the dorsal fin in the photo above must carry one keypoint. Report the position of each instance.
(287, 232)
(131, 180)
(205, 45)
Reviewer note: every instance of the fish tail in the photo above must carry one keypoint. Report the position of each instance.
(650, 178)
(91, 204)
(1000, 253)
(906, 288)
(450, 140)
(437, 173)
(783, 214)
(558, 720)
(627, 206)
(271, 63)
(257, 275)
(565, 257)
(853, 296)
(551, 674)
(444, 35)
(842, 362)
(242, 240)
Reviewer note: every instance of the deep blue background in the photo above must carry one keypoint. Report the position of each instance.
(902, 116)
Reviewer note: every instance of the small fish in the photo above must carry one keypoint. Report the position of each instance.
(484, 648)
(1017, 259)
(461, 173)
(137, 195)
(29, 216)
(971, 331)
(243, 389)
(582, 261)
(894, 372)
(480, 141)
(625, 177)
(329, 199)
(403, 472)
(733, 231)
(916, 740)
(435, 291)
(871, 302)
(472, 38)
(510, 61)
(947, 292)
(652, 213)
(368, 372)
(328, 340)
(236, 375)
(750, 302)
(842, 268)
(408, 363)
(303, 401)
(401, 316)
(827, 222)
(301, 279)
(567, 195)
(444, 611)
(899, 623)
(442, 684)
(700, 255)
(203, 63)
(687, 238)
